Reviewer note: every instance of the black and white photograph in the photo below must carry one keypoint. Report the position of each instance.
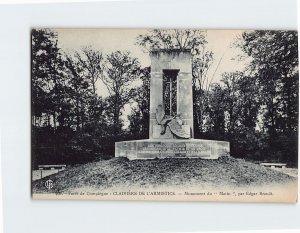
(164, 114)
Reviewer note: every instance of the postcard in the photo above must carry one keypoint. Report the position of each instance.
(164, 114)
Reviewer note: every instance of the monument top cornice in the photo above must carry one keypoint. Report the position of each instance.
(170, 51)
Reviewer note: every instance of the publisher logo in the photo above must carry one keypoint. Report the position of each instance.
(49, 184)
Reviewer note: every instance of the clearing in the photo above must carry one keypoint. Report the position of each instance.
(170, 172)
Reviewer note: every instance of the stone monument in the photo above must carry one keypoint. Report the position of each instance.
(171, 129)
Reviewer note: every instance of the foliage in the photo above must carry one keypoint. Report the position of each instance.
(256, 110)
(172, 39)
(275, 64)
(67, 113)
(92, 64)
(139, 119)
(121, 70)
(47, 85)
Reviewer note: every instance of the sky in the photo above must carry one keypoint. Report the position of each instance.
(220, 42)
(109, 40)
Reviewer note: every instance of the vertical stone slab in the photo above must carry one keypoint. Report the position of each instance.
(185, 99)
(156, 98)
(175, 59)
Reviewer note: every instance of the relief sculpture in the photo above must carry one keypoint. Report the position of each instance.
(174, 123)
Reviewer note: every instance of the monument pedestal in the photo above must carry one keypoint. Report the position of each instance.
(166, 148)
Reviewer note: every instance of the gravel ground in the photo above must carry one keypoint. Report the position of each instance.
(170, 172)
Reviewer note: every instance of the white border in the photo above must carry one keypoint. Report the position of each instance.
(25, 215)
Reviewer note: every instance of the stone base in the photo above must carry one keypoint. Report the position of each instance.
(164, 148)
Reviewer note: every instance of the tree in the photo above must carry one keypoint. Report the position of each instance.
(78, 90)
(90, 113)
(120, 72)
(50, 98)
(201, 87)
(241, 104)
(139, 119)
(92, 62)
(46, 77)
(274, 61)
(172, 39)
(231, 100)
(214, 122)
(241, 101)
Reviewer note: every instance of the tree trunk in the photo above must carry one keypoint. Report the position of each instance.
(54, 121)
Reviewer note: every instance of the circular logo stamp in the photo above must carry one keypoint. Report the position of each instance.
(49, 184)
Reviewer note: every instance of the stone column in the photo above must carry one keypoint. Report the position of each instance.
(185, 99)
(156, 98)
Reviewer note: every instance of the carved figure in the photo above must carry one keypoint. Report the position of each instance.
(174, 123)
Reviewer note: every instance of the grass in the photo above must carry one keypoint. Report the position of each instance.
(169, 172)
